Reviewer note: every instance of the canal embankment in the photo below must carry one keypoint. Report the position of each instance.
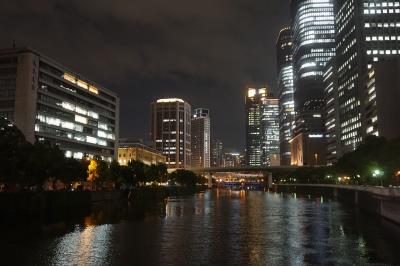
(381, 201)
(78, 203)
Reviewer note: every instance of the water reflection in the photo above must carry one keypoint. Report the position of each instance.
(213, 228)
(87, 246)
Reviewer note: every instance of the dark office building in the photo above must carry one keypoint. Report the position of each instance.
(217, 153)
(382, 109)
(367, 32)
(284, 48)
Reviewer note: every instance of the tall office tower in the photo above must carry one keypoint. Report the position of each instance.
(217, 153)
(270, 155)
(201, 143)
(331, 117)
(313, 46)
(383, 97)
(284, 47)
(171, 131)
(367, 32)
(254, 110)
(49, 102)
(262, 128)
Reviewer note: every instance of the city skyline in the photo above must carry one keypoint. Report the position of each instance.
(145, 58)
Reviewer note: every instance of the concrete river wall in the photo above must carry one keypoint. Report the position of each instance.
(378, 200)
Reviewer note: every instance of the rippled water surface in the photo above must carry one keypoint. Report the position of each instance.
(211, 228)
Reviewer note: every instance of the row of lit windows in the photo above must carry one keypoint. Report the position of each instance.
(381, 11)
(382, 38)
(382, 52)
(382, 25)
(383, 4)
(70, 125)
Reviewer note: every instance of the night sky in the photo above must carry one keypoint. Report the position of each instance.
(205, 52)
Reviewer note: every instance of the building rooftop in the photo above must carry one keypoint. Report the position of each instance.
(77, 76)
(170, 100)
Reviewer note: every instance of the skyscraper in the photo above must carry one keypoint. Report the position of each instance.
(270, 155)
(171, 131)
(254, 100)
(201, 138)
(217, 153)
(284, 48)
(262, 128)
(367, 32)
(313, 46)
(49, 102)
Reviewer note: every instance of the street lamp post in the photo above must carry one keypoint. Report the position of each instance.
(378, 173)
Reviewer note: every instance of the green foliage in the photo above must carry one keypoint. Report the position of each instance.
(14, 152)
(374, 153)
(355, 167)
(186, 178)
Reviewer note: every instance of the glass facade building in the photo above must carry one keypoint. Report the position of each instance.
(270, 155)
(253, 125)
(217, 153)
(284, 48)
(171, 131)
(201, 142)
(313, 46)
(262, 128)
(49, 102)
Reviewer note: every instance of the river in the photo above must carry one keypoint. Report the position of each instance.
(218, 227)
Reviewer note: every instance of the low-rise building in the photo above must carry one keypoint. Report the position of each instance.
(131, 150)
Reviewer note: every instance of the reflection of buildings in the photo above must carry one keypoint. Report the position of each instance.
(201, 138)
(130, 150)
(284, 46)
(47, 101)
(262, 128)
(313, 46)
(217, 153)
(170, 131)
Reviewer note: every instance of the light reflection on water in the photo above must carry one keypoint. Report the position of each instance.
(226, 228)
(87, 246)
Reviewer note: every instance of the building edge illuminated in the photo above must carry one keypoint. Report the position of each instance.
(49, 102)
(284, 48)
(201, 143)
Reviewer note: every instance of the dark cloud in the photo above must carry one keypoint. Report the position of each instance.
(203, 51)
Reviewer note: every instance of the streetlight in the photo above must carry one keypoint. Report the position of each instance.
(378, 173)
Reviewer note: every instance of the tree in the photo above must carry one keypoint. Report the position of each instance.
(14, 152)
(162, 172)
(114, 171)
(138, 171)
(186, 178)
(93, 174)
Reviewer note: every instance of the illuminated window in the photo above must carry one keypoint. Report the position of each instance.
(81, 119)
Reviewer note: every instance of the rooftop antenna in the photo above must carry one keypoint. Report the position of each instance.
(14, 45)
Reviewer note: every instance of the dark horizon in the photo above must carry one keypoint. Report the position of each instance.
(151, 50)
